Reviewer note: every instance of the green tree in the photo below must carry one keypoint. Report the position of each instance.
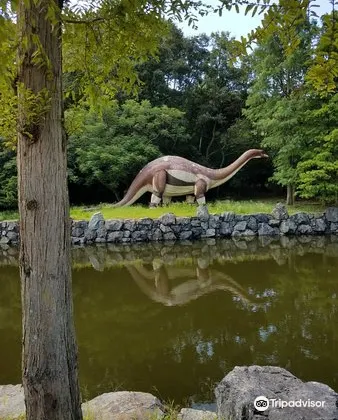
(8, 179)
(215, 103)
(276, 98)
(110, 148)
(131, 30)
(318, 169)
(180, 64)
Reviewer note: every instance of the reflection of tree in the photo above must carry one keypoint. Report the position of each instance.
(193, 284)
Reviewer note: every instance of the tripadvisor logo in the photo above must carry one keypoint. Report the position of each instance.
(262, 403)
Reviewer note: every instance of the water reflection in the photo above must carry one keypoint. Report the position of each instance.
(173, 319)
(159, 282)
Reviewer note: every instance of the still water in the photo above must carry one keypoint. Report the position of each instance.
(174, 319)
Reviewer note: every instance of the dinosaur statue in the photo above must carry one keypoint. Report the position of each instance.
(170, 176)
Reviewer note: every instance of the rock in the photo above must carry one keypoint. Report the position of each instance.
(304, 230)
(12, 402)
(77, 232)
(115, 236)
(274, 222)
(183, 222)
(228, 216)
(130, 225)
(169, 236)
(139, 236)
(145, 221)
(226, 229)
(280, 212)
(191, 414)
(213, 221)
(334, 228)
(113, 225)
(123, 405)
(101, 233)
(167, 219)
(96, 221)
(265, 229)
(331, 214)
(12, 236)
(90, 235)
(186, 234)
(318, 225)
(252, 224)
(156, 235)
(236, 393)
(240, 226)
(209, 233)
(287, 226)
(202, 212)
(300, 218)
(245, 233)
(195, 222)
(262, 217)
(12, 226)
(4, 240)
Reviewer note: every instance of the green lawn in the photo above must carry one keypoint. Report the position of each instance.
(180, 209)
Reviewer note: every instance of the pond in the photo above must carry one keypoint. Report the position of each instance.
(173, 319)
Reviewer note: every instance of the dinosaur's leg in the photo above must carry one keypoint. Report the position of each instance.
(200, 190)
(159, 182)
(190, 199)
(166, 200)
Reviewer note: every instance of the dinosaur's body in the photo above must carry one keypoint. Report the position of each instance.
(170, 176)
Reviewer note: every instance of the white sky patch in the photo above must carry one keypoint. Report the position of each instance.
(236, 23)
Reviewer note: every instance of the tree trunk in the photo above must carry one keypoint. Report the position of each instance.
(49, 355)
(290, 195)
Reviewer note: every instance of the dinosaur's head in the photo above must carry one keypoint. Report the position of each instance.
(257, 154)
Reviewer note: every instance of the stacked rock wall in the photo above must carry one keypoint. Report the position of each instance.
(171, 228)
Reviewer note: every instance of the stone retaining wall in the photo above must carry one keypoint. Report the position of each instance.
(171, 228)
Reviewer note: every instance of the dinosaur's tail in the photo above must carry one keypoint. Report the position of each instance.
(137, 188)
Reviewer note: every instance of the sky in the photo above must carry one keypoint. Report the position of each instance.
(237, 24)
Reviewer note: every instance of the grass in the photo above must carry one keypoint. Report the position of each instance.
(180, 209)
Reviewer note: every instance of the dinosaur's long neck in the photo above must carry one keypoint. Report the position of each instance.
(224, 174)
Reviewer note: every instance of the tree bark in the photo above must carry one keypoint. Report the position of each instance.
(49, 355)
(290, 195)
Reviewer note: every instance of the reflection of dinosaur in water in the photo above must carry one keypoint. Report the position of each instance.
(156, 283)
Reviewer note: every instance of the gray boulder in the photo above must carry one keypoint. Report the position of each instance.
(236, 393)
(288, 227)
(334, 228)
(262, 217)
(304, 230)
(240, 226)
(192, 414)
(226, 229)
(331, 214)
(318, 225)
(12, 402)
(167, 219)
(300, 218)
(252, 224)
(266, 229)
(96, 221)
(123, 405)
(114, 224)
(203, 212)
(280, 212)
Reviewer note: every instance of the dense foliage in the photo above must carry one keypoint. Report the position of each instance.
(196, 98)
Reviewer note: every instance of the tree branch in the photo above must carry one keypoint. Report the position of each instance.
(83, 21)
